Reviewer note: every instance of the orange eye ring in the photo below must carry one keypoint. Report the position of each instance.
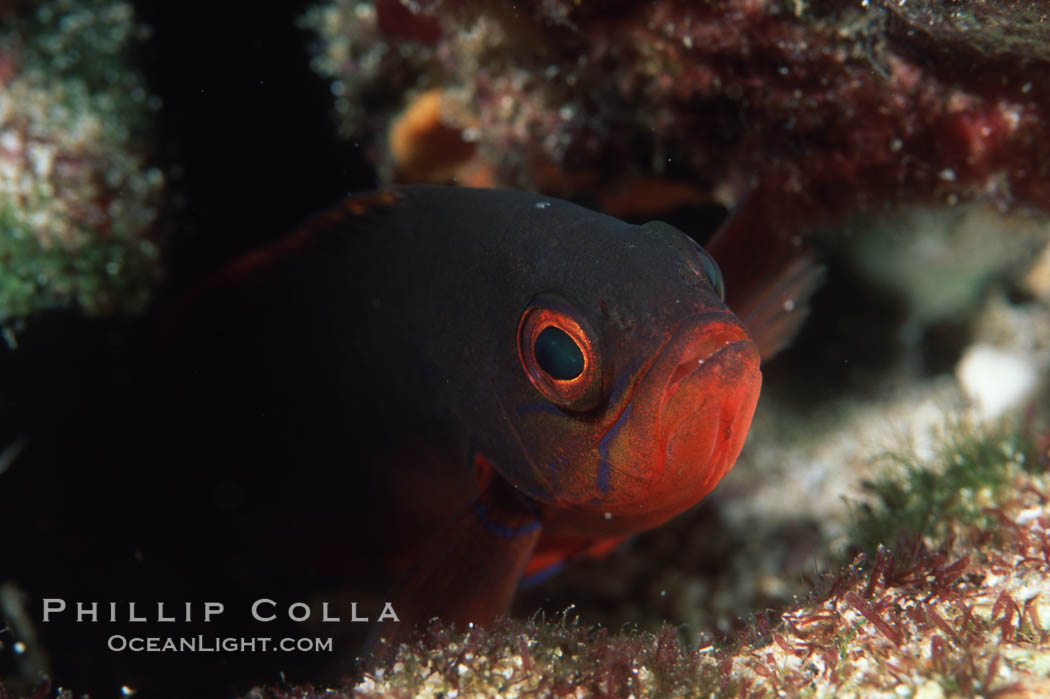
(573, 378)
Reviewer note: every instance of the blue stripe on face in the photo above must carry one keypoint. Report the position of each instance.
(603, 481)
(494, 527)
(621, 383)
(605, 466)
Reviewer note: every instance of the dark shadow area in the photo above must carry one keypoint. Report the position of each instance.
(246, 126)
(103, 504)
(849, 341)
(943, 344)
(699, 222)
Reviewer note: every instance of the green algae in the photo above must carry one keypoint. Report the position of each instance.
(916, 496)
(78, 203)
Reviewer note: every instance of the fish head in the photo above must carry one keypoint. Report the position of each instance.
(641, 392)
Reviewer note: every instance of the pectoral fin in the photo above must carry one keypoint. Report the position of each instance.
(550, 555)
(468, 572)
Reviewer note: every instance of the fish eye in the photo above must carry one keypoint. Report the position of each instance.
(714, 275)
(559, 353)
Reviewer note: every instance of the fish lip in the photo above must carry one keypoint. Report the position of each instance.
(656, 383)
(669, 427)
(699, 353)
(726, 319)
(641, 382)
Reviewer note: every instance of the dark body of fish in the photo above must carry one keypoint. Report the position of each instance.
(388, 386)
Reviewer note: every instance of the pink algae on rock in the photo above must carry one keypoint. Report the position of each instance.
(807, 110)
(959, 615)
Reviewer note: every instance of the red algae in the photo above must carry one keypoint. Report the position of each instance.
(809, 111)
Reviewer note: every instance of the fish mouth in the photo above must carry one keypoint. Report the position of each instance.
(705, 414)
(706, 349)
(682, 429)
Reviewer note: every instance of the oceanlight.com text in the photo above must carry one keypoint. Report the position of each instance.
(216, 644)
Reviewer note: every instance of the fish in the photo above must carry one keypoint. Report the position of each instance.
(459, 389)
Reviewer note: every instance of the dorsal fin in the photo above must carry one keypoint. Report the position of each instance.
(256, 261)
(352, 206)
(770, 278)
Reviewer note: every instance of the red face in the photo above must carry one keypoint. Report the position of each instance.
(664, 444)
(634, 428)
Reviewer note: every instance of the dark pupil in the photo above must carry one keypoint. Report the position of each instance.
(558, 354)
